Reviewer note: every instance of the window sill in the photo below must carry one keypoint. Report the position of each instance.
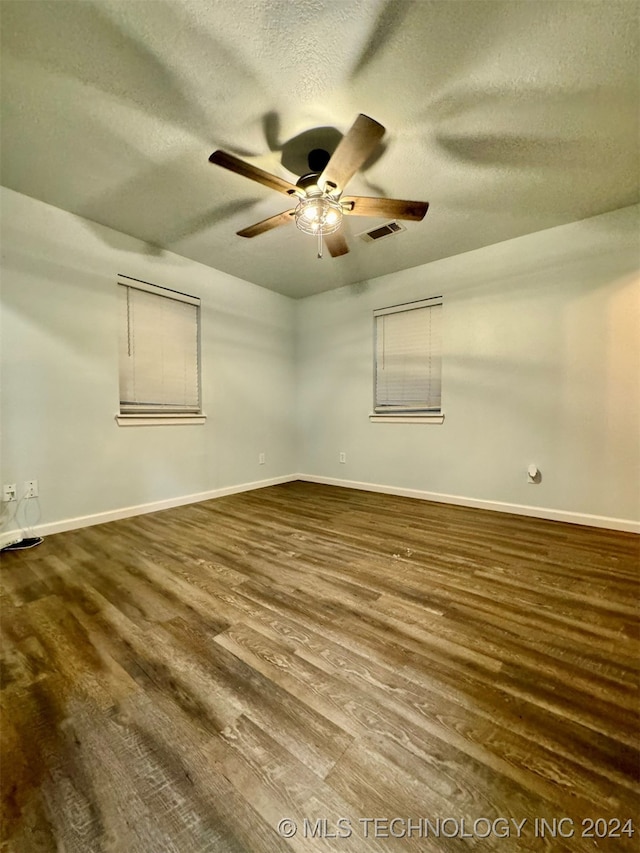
(407, 419)
(159, 419)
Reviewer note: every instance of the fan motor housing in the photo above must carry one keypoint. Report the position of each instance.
(309, 180)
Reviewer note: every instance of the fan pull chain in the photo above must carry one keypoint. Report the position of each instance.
(319, 243)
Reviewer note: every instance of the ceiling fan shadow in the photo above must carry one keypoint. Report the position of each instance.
(388, 22)
(271, 130)
(532, 126)
(80, 41)
(111, 51)
(295, 152)
(149, 204)
(513, 150)
(205, 220)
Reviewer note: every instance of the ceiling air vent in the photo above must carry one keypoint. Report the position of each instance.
(381, 231)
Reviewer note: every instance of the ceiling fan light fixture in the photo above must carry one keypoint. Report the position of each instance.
(321, 207)
(318, 215)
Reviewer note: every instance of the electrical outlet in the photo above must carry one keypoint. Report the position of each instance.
(31, 488)
(343, 457)
(533, 474)
(9, 492)
(262, 458)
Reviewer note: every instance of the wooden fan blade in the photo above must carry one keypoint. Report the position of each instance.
(389, 208)
(336, 244)
(353, 149)
(267, 224)
(234, 164)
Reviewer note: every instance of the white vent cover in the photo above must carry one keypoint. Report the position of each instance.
(381, 231)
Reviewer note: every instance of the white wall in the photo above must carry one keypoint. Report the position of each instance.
(60, 373)
(541, 364)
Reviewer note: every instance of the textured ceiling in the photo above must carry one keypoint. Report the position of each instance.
(508, 117)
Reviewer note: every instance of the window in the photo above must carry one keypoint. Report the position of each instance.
(408, 362)
(159, 338)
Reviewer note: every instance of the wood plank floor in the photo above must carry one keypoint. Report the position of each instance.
(184, 681)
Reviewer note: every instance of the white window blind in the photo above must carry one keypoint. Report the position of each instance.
(408, 353)
(159, 349)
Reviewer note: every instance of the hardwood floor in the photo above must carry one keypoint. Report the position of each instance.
(186, 680)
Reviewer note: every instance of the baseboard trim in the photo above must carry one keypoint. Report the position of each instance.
(141, 509)
(623, 524)
(10, 538)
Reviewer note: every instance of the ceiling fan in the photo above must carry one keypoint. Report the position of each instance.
(321, 205)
